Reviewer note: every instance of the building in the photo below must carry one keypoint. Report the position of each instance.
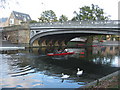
(17, 18)
(3, 21)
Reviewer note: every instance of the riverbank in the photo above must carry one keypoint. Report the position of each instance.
(9, 44)
(111, 81)
(6, 45)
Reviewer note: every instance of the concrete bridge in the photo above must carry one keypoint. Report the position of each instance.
(57, 33)
(60, 33)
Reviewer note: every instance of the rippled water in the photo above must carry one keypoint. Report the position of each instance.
(32, 68)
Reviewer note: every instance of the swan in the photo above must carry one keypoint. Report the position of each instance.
(79, 72)
(65, 76)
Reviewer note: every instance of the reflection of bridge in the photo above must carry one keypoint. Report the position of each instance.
(99, 54)
(60, 33)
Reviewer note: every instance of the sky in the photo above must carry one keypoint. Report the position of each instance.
(66, 7)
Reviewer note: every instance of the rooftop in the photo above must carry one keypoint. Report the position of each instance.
(22, 16)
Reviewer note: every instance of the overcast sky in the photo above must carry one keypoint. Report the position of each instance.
(35, 7)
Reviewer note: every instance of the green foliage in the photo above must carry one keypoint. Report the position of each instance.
(48, 16)
(90, 13)
(63, 18)
(33, 21)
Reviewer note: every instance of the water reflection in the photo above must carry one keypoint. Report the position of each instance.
(33, 68)
(99, 55)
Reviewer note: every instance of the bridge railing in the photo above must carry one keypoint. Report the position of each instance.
(77, 23)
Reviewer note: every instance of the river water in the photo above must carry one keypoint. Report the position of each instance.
(32, 68)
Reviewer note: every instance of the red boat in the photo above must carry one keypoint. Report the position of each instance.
(82, 53)
(80, 44)
(52, 54)
(94, 45)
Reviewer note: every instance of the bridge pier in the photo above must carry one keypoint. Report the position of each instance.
(44, 43)
(89, 40)
(56, 43)
(51, 41)
(36, 44)
(61, 42)
(89, 51)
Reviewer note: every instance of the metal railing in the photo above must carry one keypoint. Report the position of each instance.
(107, 23)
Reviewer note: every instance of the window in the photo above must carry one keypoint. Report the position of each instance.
(25, 19)
(17, 15)
(11, 21)
(28, 17)
(20, 22)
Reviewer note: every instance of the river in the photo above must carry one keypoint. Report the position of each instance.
(32, 68)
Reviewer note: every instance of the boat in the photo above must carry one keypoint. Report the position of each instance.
(94, 45)
(80, 44)
(57, 54)
(82, 52)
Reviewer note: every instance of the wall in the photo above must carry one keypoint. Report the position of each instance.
(17, 34)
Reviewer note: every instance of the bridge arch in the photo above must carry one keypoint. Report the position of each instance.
(76, 31)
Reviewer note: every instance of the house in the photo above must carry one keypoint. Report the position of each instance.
(3, 21)
(16, 18)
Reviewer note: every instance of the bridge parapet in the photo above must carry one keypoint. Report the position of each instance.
(107, 23)
(110, 25)
(16, 27)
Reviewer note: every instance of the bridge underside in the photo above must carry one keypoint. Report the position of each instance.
(60, 39)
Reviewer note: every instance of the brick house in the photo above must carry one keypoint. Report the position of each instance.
(16, 18)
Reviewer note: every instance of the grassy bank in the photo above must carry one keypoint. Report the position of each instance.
(111, 81)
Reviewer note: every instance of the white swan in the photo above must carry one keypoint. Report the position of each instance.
(65, 76)
(79, 72)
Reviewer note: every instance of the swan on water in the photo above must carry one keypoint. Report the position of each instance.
(65, 76)
(79, 72)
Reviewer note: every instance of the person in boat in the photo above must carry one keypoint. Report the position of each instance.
(60, 51)
(65, 51)
(57, 51)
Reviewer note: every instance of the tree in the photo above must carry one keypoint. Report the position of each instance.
(63, 18)
(2, 3)
(48, 16)
(33, 21)
(6, 3)
(90, 13)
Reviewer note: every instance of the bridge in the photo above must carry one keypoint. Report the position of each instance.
(60, 33)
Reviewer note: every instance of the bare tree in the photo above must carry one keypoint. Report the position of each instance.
(6, 3)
